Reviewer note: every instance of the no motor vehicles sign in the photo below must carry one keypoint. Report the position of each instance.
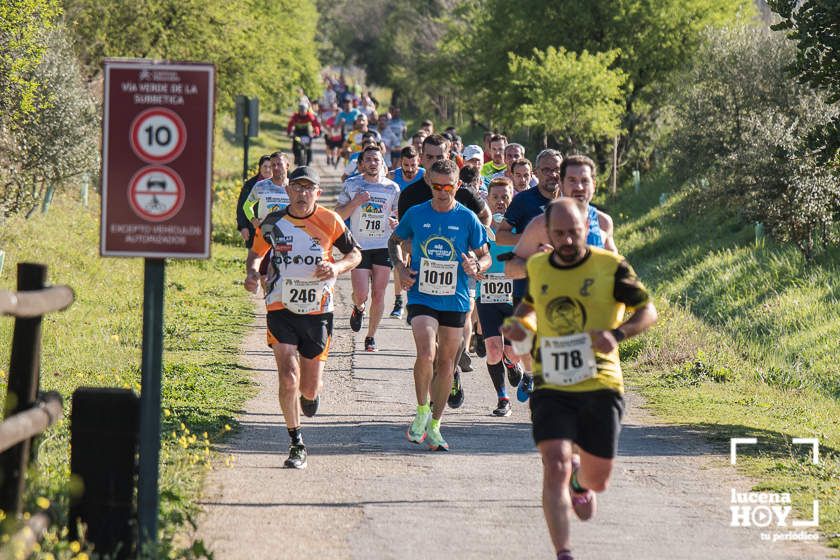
(157, 148)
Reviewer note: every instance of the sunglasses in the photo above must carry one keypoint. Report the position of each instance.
(447, 188)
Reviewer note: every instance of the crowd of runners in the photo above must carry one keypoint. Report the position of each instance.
(491, 254)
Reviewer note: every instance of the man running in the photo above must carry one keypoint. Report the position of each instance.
(498, 143)
(369, 201)
(408, 172)
(495, 303)
(299, 295)
(525, 207)
(570, 322)
(577, 180)
(435, 148)
(269, 195)
(448, 246)
(513, 153)
(522, 175)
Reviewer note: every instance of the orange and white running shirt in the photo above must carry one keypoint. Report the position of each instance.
(298, 246)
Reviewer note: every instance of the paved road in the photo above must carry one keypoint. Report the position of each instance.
(370, 494)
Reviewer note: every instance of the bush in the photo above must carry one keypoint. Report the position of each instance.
(57, 141)
(743, 124)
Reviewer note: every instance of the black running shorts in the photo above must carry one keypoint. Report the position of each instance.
(591, 419)
(379, 257)
(454, 319)
(310, 333)
(491, 316)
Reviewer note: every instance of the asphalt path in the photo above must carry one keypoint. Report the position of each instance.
(369, 494)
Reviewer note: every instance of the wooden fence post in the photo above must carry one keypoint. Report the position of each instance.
(22, 391)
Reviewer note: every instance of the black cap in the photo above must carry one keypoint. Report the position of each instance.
(304, 172)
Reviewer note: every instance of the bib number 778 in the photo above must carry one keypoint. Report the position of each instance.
(567, 360)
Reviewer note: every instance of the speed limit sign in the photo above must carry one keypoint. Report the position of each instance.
(158, 135)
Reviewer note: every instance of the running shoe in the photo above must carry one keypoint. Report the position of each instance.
(356, 319)
(514, 371)
(503, 408)
(582, 502)
(465, 362)
(370, 344)
(397, 313)
(434, 440)
(480, 348)
(525, 388)
(456, 395)
(297, 457)
(417, 430)
(564, 555)
(309, 408)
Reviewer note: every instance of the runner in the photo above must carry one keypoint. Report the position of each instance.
(408, 171)
(498, 143)
(303, 127)
(525, 207)
(495, 303)
(299, 297)
(369, 200)
(269, 195)
(522, 175)
(571, 323)
(577, 176)
(474, 157)
(449, 245)
(513, 153)
(347, 117)
(436, 148)
(333, 137)
(243, 224)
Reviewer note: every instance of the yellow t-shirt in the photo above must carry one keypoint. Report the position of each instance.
(589, 296)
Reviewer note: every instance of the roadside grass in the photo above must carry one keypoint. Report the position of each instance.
(97, 342)
(746, 343)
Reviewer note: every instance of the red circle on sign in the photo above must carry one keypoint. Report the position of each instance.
(145, 136)
(156, 193)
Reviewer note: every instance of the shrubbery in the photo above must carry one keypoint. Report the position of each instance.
(743, 124)
(55, 141)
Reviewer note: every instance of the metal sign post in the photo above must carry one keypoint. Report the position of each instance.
(157, 148)
(247, 109)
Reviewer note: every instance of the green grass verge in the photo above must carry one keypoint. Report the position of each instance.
(746, 344)
(97, 342)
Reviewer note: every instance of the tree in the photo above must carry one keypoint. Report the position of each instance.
(654, 39)
(260, 47)
(22, 44)
(575, 96)
(55, 141)
(747, 138)
(815, 26)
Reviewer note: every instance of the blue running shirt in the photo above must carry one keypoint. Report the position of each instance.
(437, 241)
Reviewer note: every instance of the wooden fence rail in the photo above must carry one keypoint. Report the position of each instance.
(27, 413)
(29, 423)
(35, 303)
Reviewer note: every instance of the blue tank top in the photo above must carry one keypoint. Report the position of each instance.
(594, 237)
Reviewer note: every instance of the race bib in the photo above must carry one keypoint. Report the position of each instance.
(301, 295)
(438, 278)
(305, 140)
(567, 360)
(373, 225)
(495, 288)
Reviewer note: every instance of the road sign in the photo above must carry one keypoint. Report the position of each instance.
(156, 193)
(158, 135)
(157, 146)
